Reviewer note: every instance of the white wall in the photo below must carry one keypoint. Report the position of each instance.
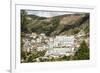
(5, 36)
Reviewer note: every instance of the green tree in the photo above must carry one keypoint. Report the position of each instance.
(83, 52)
(35, 54)
(55, 23)
(24, 21)
(76, 30)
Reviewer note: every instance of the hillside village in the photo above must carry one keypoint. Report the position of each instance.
(54, 47)
(61, 37)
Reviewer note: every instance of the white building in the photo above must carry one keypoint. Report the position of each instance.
(38, 40)
(56, 46)
(81, 33)
(61, 41)
(59, 52)
(33, 35)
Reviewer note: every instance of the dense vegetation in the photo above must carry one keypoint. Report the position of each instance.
(83, 52)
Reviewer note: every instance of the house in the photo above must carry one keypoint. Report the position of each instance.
(40, 49)
(38, 40)
(59, 52)
(61, 41)
(81, 33)
(33, 35)
(56, 44)
(43, 35)
(33, 41)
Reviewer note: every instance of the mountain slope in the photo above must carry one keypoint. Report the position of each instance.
(55, 25)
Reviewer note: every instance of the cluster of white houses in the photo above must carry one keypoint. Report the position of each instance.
(60, 45)
(54, 46)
